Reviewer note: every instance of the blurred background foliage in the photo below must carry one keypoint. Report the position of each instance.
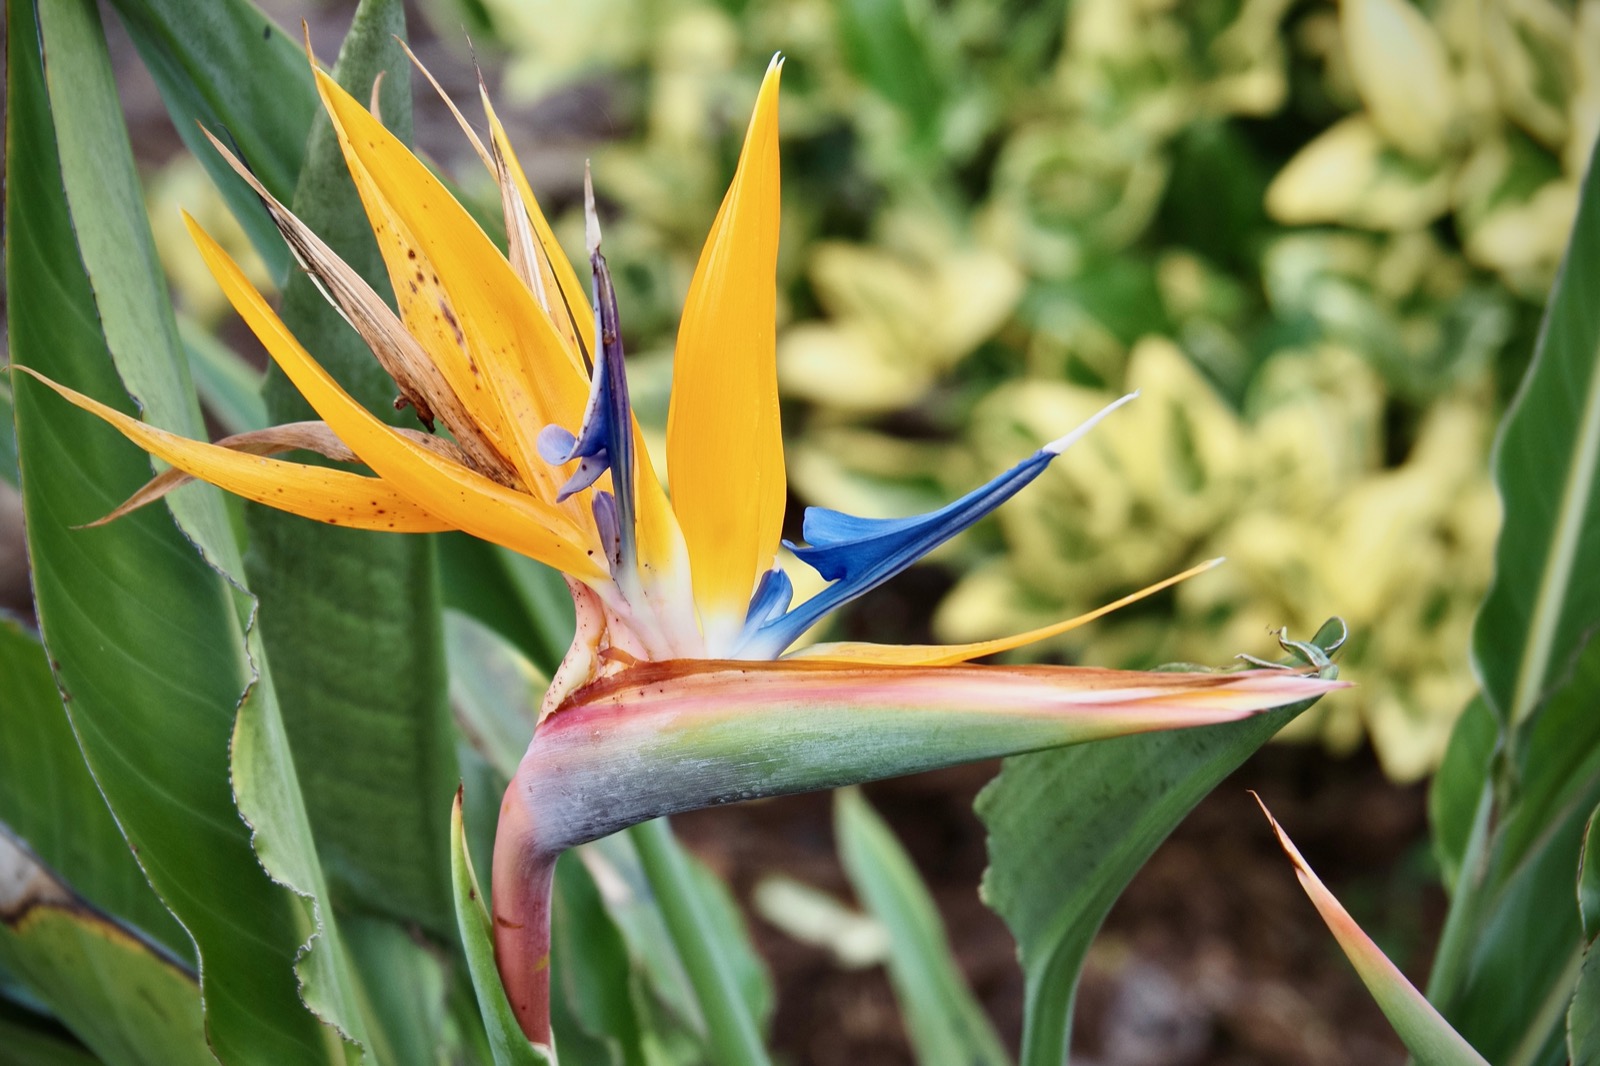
(1317, 236)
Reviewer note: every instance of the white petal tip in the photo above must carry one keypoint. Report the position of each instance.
(1061, 444)
(591, 217)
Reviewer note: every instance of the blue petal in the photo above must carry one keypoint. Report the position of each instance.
(556, 445)
(605, 439)
(858, 554)
(772, 597)
(842, 545)
(590, 467)
(618, 416)
(604, 506)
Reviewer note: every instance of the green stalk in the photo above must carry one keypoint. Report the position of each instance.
(730, 1028)
(1551, 1014)
(1049, 994)
(1453, 957)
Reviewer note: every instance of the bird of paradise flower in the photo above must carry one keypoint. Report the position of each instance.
(679, 690)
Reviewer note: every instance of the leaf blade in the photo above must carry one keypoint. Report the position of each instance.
(1583, 1015)
(198, 56)
(946, 1025)
(127, 1000)
(1101, 807)
(50, 801)
(1521, 644)
(150, 627)
(510, 1047)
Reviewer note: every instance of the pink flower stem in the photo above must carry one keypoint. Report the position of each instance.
(521, 888)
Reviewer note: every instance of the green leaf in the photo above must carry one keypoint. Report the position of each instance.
(472, 1042)
(229, 387)
(631, 901)
(509, 1046)
(1583, 1016)
(1457, 791)
(356, 614)
(48, 799)
(893, 55)
(494, 691)
(405, 988)
(1512, 948)
(1545, 597)
(1589, 878)
(163, 675)
(1512, 943)
(593, 982)
(1068, 829)
(33, 1040)
(526, 602)
(729, 934)
(8, 437)
(1514, 938)
(468, 17)
(1419, 1025)
(130, 1002)
(946, 1025)
(733, 1030)
(117, 250)
(225, 65)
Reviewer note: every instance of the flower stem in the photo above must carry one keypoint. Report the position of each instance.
(1453, 956)
(523, 876)
(730, 1027)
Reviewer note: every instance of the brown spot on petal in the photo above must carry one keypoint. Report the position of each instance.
(455, 327)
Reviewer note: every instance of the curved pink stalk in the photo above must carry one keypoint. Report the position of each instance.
(660, 738)
(1417, 1022)
(520, 893)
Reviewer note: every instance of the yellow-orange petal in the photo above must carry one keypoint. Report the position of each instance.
(337, 497)
(947, 654)
(465, 499)
(425, 307)
(506, 336)
(554, 283)
(724, 441)
(417, 369)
